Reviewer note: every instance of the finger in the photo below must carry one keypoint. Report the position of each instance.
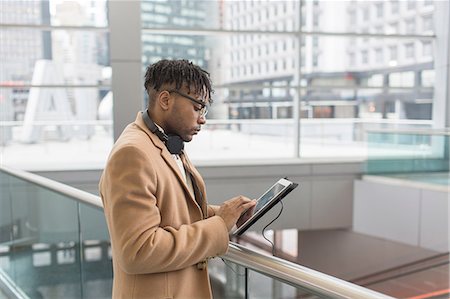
(243, 199)
(237, 201)
(249, 205)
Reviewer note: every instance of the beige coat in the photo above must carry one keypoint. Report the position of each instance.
(158, 236)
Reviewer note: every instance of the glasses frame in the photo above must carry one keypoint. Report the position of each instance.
(205, 107)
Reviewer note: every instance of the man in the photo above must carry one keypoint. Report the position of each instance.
(162, 230)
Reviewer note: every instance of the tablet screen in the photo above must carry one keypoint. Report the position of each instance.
(268, 196)
(275, 193)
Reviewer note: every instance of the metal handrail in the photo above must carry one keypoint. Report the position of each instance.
(310, 280)
(63, 189)
(298, 276)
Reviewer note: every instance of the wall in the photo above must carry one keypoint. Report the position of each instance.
(323, 200)
(405, 212)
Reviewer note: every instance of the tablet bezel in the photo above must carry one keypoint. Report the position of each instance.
(288, 186)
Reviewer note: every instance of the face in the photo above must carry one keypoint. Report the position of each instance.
(184, 117)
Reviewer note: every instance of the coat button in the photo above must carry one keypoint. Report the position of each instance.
(202, 265)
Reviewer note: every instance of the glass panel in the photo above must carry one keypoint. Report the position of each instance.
(227, 15)
(355, 80)
(408, 152)
(335, 123)
(51, 122)
(55, 12)
(251, 90)
(97, 261)
(381, 17)
(261, 286)
(8, 228)
(228, 280)
(242, 139)
(46, 245)
(50, 117)
(372, 87)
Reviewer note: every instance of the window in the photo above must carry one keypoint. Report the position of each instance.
(392, 28)
(392, 53)
(364, 57)
(394, 7)
(427, 49)
(411, 4)
(77, 60)
(401, 79)
(379, 10)
(410, 26)
(315, 60)
(352, 17)
(243, 63)
(427, 23)
(409, 50)
(378, 55)
(427, 78)
(365, 14)
(351, 59)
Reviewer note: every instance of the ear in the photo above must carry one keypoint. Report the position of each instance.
(164, 100)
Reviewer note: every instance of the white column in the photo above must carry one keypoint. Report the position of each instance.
(441, 103)
(125, 48)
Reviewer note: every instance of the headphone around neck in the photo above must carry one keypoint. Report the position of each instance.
(173, 142)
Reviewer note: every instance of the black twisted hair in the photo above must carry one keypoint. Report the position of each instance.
(179, 72)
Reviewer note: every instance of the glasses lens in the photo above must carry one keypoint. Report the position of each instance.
(204, 111)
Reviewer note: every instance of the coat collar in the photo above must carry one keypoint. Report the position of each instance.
(167, 156)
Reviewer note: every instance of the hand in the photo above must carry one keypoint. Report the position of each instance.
(231, 210)
(244, 217)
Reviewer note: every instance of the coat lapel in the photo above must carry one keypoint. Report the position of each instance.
(165, 154)
(200, 184)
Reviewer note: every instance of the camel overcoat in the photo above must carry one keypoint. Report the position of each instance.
(160, 236)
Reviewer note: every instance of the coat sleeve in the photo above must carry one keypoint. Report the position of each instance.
(139, 244)
(212, 210)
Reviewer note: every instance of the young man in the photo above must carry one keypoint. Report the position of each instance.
(162, 230)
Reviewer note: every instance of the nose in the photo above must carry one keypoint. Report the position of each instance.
(201, 120)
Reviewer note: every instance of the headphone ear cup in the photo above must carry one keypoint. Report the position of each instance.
(175, 144)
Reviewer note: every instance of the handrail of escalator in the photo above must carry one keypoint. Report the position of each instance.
(298, 276)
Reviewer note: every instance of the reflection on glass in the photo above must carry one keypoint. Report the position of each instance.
(43, 254)
(97, 263)
(36, 245)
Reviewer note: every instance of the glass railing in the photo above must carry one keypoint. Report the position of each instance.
(408, 151)
(54, 244)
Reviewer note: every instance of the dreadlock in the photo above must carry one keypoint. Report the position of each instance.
(179, 72)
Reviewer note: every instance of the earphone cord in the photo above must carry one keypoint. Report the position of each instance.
(265, 227)
(264, 236)
(231, 268)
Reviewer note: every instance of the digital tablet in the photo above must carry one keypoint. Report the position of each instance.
(263, 204)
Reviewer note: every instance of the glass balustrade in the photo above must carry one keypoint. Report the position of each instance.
(51, 245)
(407, 151)
(57, 246)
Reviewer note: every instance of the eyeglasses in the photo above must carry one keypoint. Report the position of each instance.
(205, 107)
